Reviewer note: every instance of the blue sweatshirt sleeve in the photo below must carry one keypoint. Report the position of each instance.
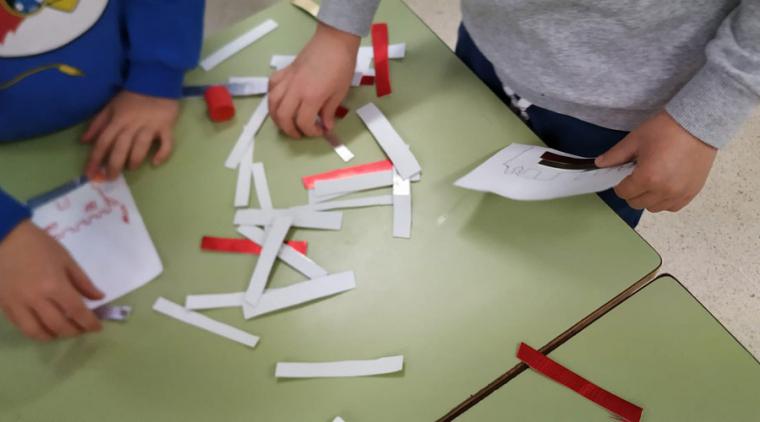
(12, 213)
(164, 41)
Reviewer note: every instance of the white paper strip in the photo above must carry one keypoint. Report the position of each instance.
(344, 153)
(246, 138)
(395, 51)
(389, 140)
(369, 201)
(315, 199)
(239, 43)
(296, 260)
(357, 79)
(243, 186)
(338, 419)
(253, 85)
(281, 61)
(369, 72)
(347, 368)
(299, 293)
(262, 187)
(275, 235)
(328, 220)
(214, 301)
(176, 311)
(366, 181)
(402, 207)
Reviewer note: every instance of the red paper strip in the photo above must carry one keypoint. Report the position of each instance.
(380, 49)
(219, 103)
(341, 112)
(226, 244)
(544, 365)
(308, 181)
(367, 80)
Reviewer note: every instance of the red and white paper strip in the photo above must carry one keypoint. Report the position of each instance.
(235, 245)
(287, 254)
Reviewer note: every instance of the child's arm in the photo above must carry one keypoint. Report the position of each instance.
(318, 80)
(164, 39)
(40, 284)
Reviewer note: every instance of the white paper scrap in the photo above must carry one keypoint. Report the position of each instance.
(262, 187)
(296, 260)
(176, 311)
(243, 186)
(246, 137)
(239, 43)
(389, 140)
(360, 182)
(515, 172)
(338, 419)
(402, 207)
(369, 201)
(100, 226)
(281, 61)
(308, 219)
(299, 293)
(347, 368)
(275, 236)
(214, 301)
(253, 85)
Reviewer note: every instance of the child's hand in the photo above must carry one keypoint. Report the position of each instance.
(126, 128)
(315, 83)
(41, 287)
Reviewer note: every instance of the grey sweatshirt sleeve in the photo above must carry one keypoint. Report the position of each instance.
(718, 99)
(354, 16)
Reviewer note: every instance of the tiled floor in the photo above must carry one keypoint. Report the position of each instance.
(712, 246)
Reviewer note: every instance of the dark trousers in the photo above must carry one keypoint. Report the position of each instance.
(558, 131)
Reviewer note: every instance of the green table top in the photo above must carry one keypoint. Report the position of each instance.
(660, 350)
(480, 274)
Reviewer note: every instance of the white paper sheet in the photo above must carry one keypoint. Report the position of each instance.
(369, 201)
(300, 293)
(402, 207)
(254, 85)
(177, 312)
(389, 140)
(262, 187)
(239, 43)
(243, 186)
(514, 173)
(246, 137)
(296, 260)
(323, 220)
(214, 301)
(101, 227)
(347, 368)
(275, 236)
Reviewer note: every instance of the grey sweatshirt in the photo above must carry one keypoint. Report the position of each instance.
(614, 63)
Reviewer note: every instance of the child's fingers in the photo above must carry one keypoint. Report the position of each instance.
(277, 77)
(165, 146)
(306, 120)
(100, 149)
(97, 125)
(328, 111)
(81, 282)
(74, 309)
(54, 319)
(276, 94)
(286, 112)
(120, 151)
(143, 141)
(26, 321)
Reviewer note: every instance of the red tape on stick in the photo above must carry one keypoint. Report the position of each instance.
(384, 165)
(380, 49)
(544, 365)
(219, 103)
(234, 245)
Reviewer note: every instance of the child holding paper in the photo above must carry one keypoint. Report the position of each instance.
(663, 83)
(62, 62)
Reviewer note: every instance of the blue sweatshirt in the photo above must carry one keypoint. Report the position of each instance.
(61, 62)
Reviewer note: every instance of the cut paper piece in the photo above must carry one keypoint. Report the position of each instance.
(367, 80)
(308, 6)
(338, 419)
(249, 85)
(365, 55)
(384, 165)
(328, 220)
(402, 207)
(203, 322)
(369, 201)
(300, 293)
(390, 141)
(380, 49)
(239, 43)
(316, 199)
(226, 244)
(262, 187)
(99, 224)
(515, 173)
(275, 235)
(296, 260)
(246, 137)
(118, 313)
(369, 72)
(214, 301)
(280, 62)
(347, 368)
(337, 145)
(352, 184)
(549, 368)
(243, 186)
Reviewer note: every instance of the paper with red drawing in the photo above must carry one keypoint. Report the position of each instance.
(101, 227)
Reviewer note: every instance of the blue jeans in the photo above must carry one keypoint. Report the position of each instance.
(558, 131)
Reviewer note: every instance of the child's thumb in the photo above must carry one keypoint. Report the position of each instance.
(623, 152)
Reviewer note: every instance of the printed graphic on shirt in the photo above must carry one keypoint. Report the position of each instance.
(29, 27)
